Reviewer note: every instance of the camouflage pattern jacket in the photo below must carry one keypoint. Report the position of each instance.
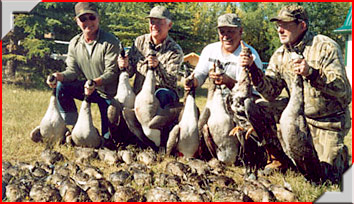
(327, 91)
(170, 56)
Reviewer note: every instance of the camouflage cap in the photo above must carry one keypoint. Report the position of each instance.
(229, 20)
(160, 12)
(85, 7)
(291, 13)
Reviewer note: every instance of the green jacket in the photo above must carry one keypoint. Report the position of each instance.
(327, 91)
(101, 63)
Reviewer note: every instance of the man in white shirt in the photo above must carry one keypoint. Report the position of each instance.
(227, 51)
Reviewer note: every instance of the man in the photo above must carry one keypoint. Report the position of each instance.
(327, 89)
(92, 53)
(227, 51)
(166, 58)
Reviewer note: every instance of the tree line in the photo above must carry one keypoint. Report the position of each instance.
(26, 51)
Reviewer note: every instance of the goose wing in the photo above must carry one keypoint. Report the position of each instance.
(135, 127)
(165, 117)
(172, 139)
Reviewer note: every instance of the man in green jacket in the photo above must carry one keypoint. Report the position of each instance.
(327, 91)
(93, 54)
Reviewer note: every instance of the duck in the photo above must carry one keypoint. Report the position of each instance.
(52, 128)
(70, 192)
(149, 113)
(296, 136)
(184, 136)
(250, 127)
(120, 178)
(126, 194)
(159, 194)
(41, 192)
(108, 156)
(215, 123)
(84, 133)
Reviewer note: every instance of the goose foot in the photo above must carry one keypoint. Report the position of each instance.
(69, 141)
(235, 130)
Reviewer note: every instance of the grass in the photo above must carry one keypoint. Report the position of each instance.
(23, 109)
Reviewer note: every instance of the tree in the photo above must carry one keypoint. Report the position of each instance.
(194, 26)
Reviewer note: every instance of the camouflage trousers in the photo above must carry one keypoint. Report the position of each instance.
(328, 137)
(327, 134)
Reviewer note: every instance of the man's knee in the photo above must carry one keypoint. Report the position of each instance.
(166, 96)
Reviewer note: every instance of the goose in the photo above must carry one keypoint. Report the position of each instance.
(84, 134)
(149, 113)
(184, 136)
(124, 99)
(296, 136)
(52, 128)
(215, 124)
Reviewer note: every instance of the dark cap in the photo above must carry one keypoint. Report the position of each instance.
(160, 12)
(229, 20)
(85, 7)
(291, 13)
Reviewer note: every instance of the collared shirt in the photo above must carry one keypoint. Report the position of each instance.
(327, 90)
(169, 54)
(102, 62)
(231, 64)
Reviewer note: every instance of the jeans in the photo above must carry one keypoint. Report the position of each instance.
(166, 96)
(68, 91)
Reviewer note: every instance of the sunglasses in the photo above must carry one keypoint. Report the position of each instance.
(85, 18)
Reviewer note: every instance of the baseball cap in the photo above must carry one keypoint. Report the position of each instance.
(229, 20)
(85, 7)
(291, 13)
(160, 12)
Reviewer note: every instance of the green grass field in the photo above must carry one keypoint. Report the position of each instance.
(23, 109)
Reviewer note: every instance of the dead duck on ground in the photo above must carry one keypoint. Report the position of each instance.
(126, 194)
(108, 156)
(84, 133)
(146, 157)
(50, 157)
(70, 192)
(120, 178)
(41, 192)
(184, 136)
(215, 124)
(161, 195)
(52, 128)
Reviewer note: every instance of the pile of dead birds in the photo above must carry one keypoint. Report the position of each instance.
(53, 178)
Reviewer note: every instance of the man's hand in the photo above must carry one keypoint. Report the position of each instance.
(190, 82)
(222, 78)
(89, 87)
(301, 67)
(58, 77)
(123, 62)
(152, 61)
(246, 59)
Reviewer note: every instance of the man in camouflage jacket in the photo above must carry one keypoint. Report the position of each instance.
(166, 58)
(327, 91)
